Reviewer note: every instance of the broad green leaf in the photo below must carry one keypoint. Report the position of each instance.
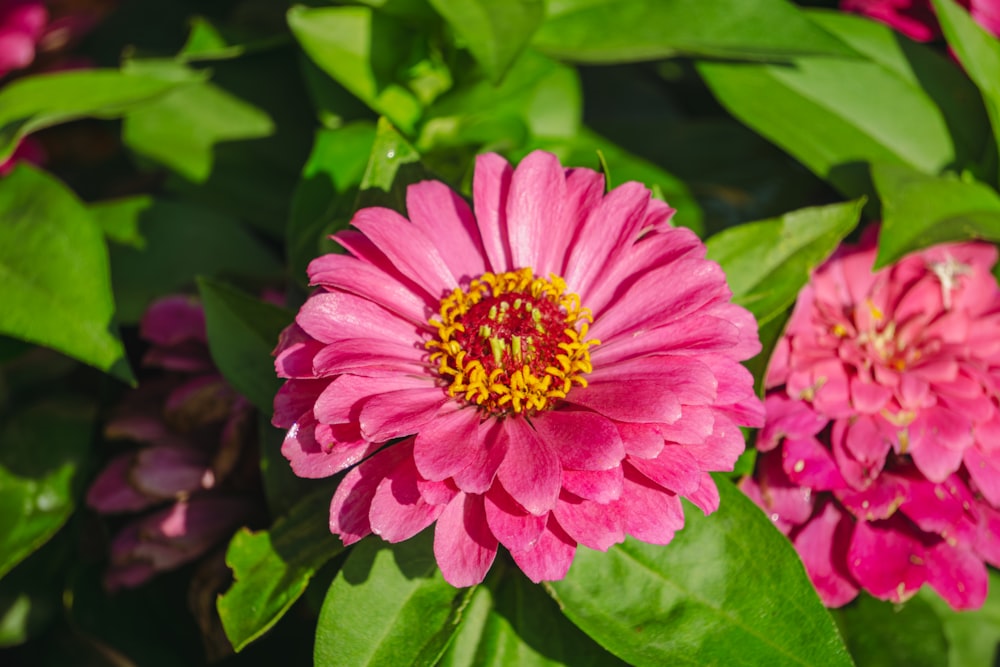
(33, 102)
(389, 605)
(518, 624)
(363, 50)
(242, 332)
(539, 98)
(54, 272)
(728, 590)
(897, 105)
(495, 31)
(207, 41)
(920, 210)
(974, 635)
(768, 262)
(271, 568)
(582, 151)
(607, 31)
(182, 241)
(883, 634)
(324, 198)
(119, 218)
(392, 166)
(182, 129)
(43, 448)
(978, 51)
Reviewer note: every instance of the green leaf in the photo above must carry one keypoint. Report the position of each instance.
(729, 590)
(518, 624)
(324, 197)
(979, 53)
(182, 241)
(882, 634)
(272, 568)
(182, 128)
(242, 332)
(920, 210)
(119, 218)
(31, 593)
(495, 31)
(392, 166)
(33, 102)
(973, 635)
(389, 605)
(898, 105)
(768, 262)
(44, 447)
(607, 31)
(54, 272)
(363, 50)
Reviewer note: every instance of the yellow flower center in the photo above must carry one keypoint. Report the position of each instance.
(512, 342)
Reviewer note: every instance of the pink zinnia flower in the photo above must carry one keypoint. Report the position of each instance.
(916, 18)
(22, 23)
(881, 456)
(186, 485)
(558, 367)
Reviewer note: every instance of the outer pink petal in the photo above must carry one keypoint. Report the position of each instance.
(490, 187)
(513, 526)
(370, 357)
(984, 469)
(312, 459)
(112, 492)
(463, 544)
(706, 498)
(398, 511)
(409, 249)
(352, 501)
(958, 576)
(674, 469)
(601, 486)
(340, 401)
(444, 217)
(581, 440)
(337, 316)
(447, 443)
(887, 559)
(478, 475)
(592, 524)
(530, 472)
(550, 558)
(538, 226)
(398, 413)
(822, 544)
(371, 282)
(619, 400)
(649, 513)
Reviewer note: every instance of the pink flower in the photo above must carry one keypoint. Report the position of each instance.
(22, 23)
(558, 367)
(187, 476)
(28, 150)
(880, 453)
(916, 18)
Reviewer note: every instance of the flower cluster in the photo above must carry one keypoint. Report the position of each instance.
(881, 457)
(187, 473)
(558, 367)
(916, 18)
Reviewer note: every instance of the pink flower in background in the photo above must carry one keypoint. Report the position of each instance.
(22, 23)
(187, 474)
(916, 18)
(555, 366)
(880, 456)
(28, 150)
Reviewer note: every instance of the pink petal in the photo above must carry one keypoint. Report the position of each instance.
(409, 249)
(463, 544)
(957, 575)
(398, 511)
(111, 491)
(490, 187)
(640, 440)
(370, 358)
(581, 440)
(370, 282)
(674, 469)
(551, 556)
(509, 522)
(166, 471)
(984, 469)
(478, 475)
(618, 400)
(592, 524)
(530, 472)
(337, 316)
(706, 498)
(650, 513)
(447, 442)
(340, 402)
(809, 463)
(443, 216)
(601, 486)
(312, 459)
(822, 544)
(537, 224)
(398, 413)
(887, 559)
(349, 508)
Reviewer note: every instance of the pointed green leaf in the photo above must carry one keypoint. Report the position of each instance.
(898, 104)
(54, 272)
(389, 605)
(605, 31)
(363, 50)
(495, 31)
(728, 590)
(43, 449)
(768, 262)
(392, 166)
(242, 332)
(271, 568)
(920, 210)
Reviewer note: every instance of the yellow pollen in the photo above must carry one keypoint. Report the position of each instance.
(512, 343)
